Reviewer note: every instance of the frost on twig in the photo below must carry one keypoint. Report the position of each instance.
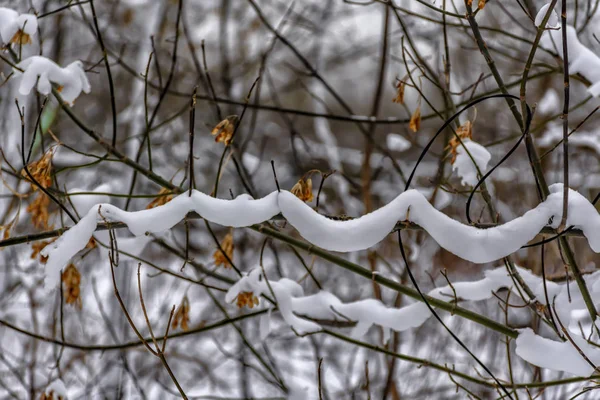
(17, 28)
(70, 80)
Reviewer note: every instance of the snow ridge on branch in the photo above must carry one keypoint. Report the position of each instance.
(468, 242)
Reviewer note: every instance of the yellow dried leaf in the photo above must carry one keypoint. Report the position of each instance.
(20, 38)
(40, 171)
(37, 247)
(71, 279)
(481, 4)
(303, 190)
(224, 130)
(161, 199)
(465, 131)
(247, 299)
(399, 92)
(227, 246)
(38, 209)
(415, 120)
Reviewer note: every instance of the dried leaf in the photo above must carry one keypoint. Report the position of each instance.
(465, 131)
(399, 92)
(223, 132)
(481, 4)
(161, 199)
(21, 38)
(303, 190)
(38, 209)
(227, 246)
(71, 279)
(415, 120)
(247, 299)
(182, 315)
(40, 171)
(37, 247)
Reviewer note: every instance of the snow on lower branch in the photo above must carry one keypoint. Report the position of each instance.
(468, 242)
(297, 310)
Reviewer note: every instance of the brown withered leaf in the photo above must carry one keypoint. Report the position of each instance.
(247, 299)
(161, 199)
(465, 131)
(224, 130)
(400, 86)
(37, 247)
(20, 38)
(481, 4)
(227, 246)
(303, 190)
(182, 315)
(40, 171)
(38, 209)
(415, 120)
(71, 279)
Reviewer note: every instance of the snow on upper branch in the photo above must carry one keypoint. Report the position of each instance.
(70, 80)
(15, 28)
(582, 60)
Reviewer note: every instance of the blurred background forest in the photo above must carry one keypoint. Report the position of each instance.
(341, 85)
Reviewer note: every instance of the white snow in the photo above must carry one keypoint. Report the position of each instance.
(396, 142)
(468, 242)
(552, 21)
(463, 165)
(11, 22)
(582, 60)
(71, 80)
(57, 388)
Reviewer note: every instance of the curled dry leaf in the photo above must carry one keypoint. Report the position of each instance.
(223, 132)
(182, 315)
(247, 299)
(40, 171)
(20, 38)
(38, 209)
(223, 257)
(162, 198)
(72, 281)
(37, 247)
(400, 86)
(481, 4)
(465, 131)
(415, 120)
(303, 190)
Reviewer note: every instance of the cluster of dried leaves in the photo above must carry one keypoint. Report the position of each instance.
(224, 130)
(224, 255)
(41, 172)
(71, 279)
(182, 315)
(247, 299)
(465, 131)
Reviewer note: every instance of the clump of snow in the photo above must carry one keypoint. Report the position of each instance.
(71, 80)
(554, 135)
(396, 142)
(11, 23)
(550, 103)
(463, 165)
(57, 389)
(552, 21)
(582, 60)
